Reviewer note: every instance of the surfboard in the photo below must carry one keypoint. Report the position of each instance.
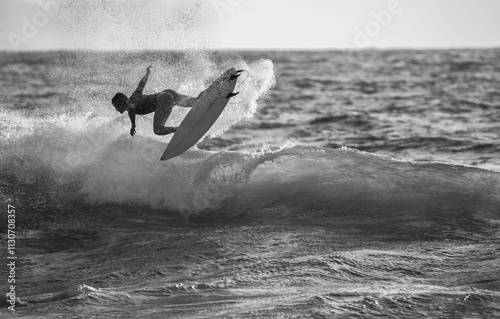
(205, 111)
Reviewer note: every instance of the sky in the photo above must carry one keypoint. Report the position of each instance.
(247, 24)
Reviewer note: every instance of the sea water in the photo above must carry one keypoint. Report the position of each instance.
(336, 184)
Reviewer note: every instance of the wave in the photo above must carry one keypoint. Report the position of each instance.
(317, 185)
(297, 184)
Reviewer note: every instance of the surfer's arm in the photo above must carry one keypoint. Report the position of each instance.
(131, 114)
(144, 80)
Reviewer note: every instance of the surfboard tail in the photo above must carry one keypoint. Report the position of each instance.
(234, 76)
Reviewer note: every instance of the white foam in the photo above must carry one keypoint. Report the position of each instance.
(113, 167)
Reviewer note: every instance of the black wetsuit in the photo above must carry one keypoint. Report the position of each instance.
(160, 103)
(143, 103)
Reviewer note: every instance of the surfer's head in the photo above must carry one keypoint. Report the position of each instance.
(120, 102)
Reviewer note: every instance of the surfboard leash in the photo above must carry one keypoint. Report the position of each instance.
(248, 75)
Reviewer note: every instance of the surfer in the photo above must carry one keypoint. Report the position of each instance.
(161, 103)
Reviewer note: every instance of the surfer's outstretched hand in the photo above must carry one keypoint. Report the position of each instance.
(148, 68)
(132, 131)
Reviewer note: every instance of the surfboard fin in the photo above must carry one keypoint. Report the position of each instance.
(230, 95)
(234, 76)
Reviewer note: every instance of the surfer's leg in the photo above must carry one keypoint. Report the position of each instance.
(164, 107)
(179, 99)
(184, 100)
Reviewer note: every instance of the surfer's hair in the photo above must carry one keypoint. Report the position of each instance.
(119, 99)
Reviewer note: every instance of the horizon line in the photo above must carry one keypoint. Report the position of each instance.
(402, 48)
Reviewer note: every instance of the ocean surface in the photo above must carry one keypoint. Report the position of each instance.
(335, 185)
